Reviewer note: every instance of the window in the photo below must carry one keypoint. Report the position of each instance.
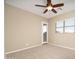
(66, 26)
(59, 26)
(70, 25)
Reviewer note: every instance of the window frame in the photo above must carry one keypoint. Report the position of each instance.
(64, 27)
(59, 27)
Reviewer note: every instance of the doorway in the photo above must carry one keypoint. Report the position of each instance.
(44, 32)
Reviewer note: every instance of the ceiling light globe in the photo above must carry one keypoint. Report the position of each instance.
(49, 8)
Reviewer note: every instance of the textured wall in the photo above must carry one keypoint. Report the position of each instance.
(62, 39)
(22, 28)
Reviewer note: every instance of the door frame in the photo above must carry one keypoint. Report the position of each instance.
(42, 31)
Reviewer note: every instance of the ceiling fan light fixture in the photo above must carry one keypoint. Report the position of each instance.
(49, 8)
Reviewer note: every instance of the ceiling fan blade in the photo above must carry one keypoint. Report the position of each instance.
(54, 10)
(45, 11)
(40, 6)
(58, 5)
(48, 1)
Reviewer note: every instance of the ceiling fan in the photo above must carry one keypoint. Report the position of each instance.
(51, 6)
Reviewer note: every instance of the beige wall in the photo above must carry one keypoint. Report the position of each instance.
(65, 39)
(22, 28)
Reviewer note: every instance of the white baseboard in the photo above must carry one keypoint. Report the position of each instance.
(22, 49)
(36, 46)
(61, 46)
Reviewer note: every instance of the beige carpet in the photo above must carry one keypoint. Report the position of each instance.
(44, 52)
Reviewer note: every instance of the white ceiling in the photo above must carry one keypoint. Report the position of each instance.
(29, 5)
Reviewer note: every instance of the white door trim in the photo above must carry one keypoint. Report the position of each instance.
(42, 31)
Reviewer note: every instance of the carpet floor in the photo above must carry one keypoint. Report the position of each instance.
(43, 52)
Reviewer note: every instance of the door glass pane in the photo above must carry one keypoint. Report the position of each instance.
(69, 29)
(59, 24)
(45, 37)
(59, 30)
(44, 28)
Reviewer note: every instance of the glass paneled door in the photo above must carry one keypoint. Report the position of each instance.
(44, 32)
